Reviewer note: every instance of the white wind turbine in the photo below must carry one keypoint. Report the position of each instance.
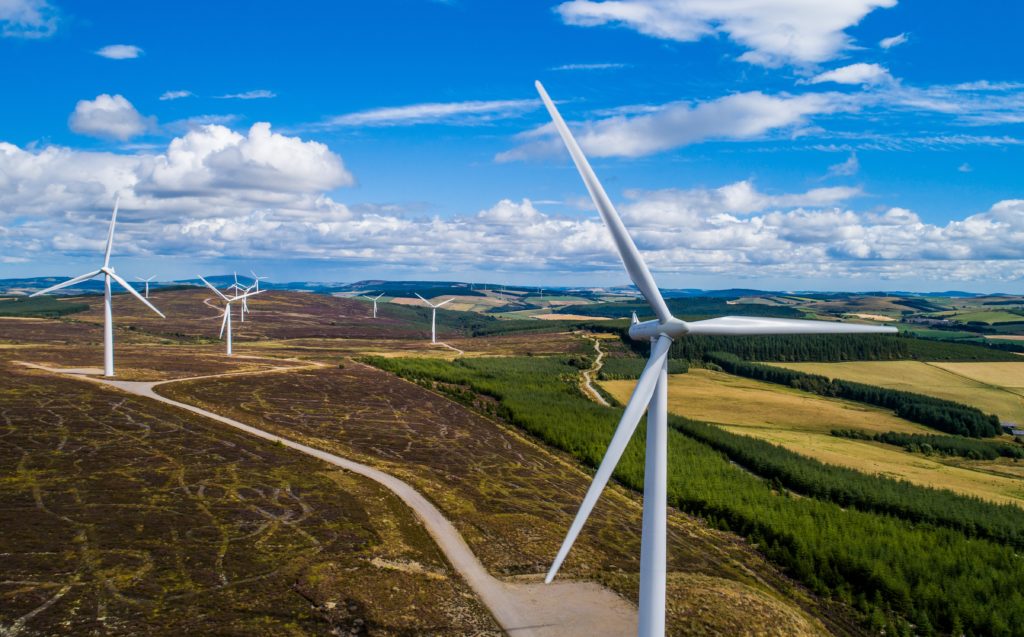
(257, 279)
(108, 274)
(433, 316)
(651, 393)
(146, 281)
(226, 323)
(375, 299)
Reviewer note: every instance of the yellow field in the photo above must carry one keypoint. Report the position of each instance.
(802, 422)
(876, 458)
(723, 398)
(995, 388)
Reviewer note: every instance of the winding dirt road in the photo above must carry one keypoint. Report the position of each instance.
(525, 607)
(590, 374)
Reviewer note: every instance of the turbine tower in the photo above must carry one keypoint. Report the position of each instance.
(226, 323)
(108, 315)
(146, 281)
(374, 299)
(651, 393)
(433, 316)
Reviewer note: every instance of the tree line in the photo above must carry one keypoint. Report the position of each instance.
(944, 415)
(970, 448)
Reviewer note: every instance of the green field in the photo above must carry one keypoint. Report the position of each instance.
(987, 316)
(992, 387)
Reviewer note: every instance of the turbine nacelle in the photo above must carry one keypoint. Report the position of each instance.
(647, 330)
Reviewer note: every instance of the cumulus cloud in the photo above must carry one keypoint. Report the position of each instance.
(120, 52)
(775, 32)
(259, 94)
(27, 19)
(108, 116)
(896, 40)
(458, 113)
(859, 73)
(216, 193)
(965, 168)
(175, 95)
(739, 116)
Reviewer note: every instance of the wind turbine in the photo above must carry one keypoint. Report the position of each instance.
(108, 315)
(226, 323)
(374, 299)
(146, 281)
(433, 316)
(257, 279)
(651, 393)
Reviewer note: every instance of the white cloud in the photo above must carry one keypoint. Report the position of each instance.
(845, 169)
(739, 116)
(776, 32)
(259, 94)
(27, 19)
(215, 193)
(965, 168)
(859, 73)
(636, 130)
(590, 67)
(470, 112)
(175, 95)
(108, 116)
(896, 40)
(120, 52)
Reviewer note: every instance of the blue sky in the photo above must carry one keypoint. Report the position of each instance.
(854, 144)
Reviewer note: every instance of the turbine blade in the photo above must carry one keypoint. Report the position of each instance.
(224, 322)
(110, 234)
(627, 425)
(209, 285)
(69, 282)
(425, 301)
(635, 265)
(444, 302)
(756, 326)
(135, 293)
(378, 296)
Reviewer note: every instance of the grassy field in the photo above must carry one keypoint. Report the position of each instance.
(122, 516)
(718, 397)
(987, 316)
(802, 422)
(996, 388)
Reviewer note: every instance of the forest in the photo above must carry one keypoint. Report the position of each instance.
(944, 415)
(821, 348)
(902, 576)
(43, 306)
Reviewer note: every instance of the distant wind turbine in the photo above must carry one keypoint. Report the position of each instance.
(257, 279)
(651, 393)
(146, 281)
(374, 299)
(433, 316)
(108, 274)
(226, 323)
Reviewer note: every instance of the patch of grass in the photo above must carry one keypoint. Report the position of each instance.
(994, 387)
(713, 396)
